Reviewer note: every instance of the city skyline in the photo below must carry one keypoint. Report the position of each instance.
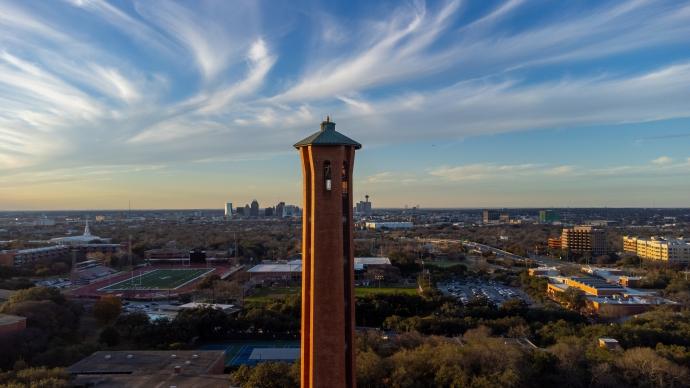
(458, 104)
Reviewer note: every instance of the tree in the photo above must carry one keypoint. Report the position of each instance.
(642, 367)
(109, 336)
(266, 375)
(107, 309)
(129, 323)
(371, 369)
(34, 294)
(205, 322)
(35, 377)
(574, 298)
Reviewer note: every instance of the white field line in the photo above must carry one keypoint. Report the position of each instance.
(191, 280)
(112, 287)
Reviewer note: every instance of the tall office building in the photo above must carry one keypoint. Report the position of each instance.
(327, 353)
(363, 208)
(254, 210)
(584, 239)
(548, 216)
(491, 216)
(228, 210)
(280, 210)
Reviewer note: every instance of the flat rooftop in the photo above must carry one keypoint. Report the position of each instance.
(596, 283)
(153, 380)
(148, 362)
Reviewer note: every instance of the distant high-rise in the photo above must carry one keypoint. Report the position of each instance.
(548, 216)
(254, 210)
(328, 354)
(228, 210)
(247, 211)
(280, 210)
(491, 216)
(363, 208)
(268, 212)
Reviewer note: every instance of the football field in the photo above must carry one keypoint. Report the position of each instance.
(159, 279)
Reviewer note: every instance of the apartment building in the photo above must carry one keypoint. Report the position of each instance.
(584, 239)
(672, 250)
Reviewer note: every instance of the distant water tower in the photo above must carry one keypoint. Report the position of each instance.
(328, 310)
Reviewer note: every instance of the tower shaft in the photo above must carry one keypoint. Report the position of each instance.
(327, 265)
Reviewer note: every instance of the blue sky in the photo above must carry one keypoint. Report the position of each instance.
(457, 103)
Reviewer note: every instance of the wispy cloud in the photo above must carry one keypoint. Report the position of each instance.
(510, 172)
(159, 82)
(484, 170)
(662, 161)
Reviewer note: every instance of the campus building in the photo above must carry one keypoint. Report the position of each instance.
(584, 239)
(328, 309)
(554, 243)
(607, 300)
(20, 257)
(151, 368)
(658, 248)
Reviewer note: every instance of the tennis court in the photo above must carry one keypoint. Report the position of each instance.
(159, 279)
(254, 352)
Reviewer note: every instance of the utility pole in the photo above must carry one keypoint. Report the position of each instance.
(131, 261)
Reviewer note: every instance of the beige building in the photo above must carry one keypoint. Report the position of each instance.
(584, 239)
(658, 248)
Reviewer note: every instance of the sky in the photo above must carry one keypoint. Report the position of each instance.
(509, 103)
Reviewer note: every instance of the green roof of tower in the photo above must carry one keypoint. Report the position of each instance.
(327, 136)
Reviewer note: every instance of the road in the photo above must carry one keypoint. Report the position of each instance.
(540, 260)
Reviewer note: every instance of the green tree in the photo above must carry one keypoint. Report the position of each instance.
(109, 336)
(266, 375)
(371, 369)
(107, 309)
(35, 377)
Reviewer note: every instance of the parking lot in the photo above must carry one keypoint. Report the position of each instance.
(467, 289)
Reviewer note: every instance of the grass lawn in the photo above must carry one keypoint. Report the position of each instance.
(444, 263)
(266, 295)
(364, 291)
(159, 279)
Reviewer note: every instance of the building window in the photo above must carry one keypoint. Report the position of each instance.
(327, 176)
(344, 173)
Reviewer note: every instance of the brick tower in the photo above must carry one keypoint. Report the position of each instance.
(328, 309)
